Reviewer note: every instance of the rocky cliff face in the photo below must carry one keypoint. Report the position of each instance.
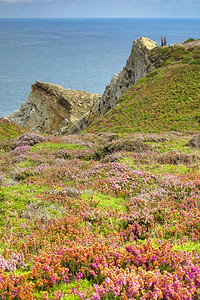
(138, 66)
(50, 109)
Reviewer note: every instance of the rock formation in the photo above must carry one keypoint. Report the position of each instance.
(137, 66)
(195, 142)
(50, 109)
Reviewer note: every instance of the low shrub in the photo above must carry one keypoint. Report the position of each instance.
(29, 139)
(189, 40)
(125, 144)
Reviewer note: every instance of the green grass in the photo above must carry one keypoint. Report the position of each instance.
(171, 145)
(13, 199)
(105, 201)
(25, 164)
(9, 130)
(83, 284)
(188, 247)
(155, 167)
(169, 169)
(57, 146)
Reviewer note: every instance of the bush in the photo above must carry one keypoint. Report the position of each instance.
(29, 139)
(22, 149)
(124, 144)
(11, 264)
(189, 40)
(176, 158)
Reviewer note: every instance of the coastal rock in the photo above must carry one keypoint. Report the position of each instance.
(50, 108)
(137, 66)
(195, 142)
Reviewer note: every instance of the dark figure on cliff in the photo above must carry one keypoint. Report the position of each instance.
(165, 41)
(162, 43)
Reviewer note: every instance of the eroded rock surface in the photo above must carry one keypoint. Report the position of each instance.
(137, 66)
(50, 108)
(195, 142)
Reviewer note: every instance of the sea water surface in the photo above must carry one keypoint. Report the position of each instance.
(75, 53)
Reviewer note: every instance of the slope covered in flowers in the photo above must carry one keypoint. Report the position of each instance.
(99, 217)
(8, 130)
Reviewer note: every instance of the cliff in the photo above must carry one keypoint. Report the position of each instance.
(50, 108)
(167, 99)
(137, 66)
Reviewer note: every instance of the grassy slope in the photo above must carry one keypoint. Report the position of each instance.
(59, 204)
(9, 130)
(107, 216)
(167, 99)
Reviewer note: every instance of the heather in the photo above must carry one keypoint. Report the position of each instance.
(8, 130)
(100, 216)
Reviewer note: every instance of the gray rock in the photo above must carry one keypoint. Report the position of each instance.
(50, 109)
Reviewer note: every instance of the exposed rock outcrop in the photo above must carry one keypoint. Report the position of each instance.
(195, 142)
(50, 109)
(137, 66)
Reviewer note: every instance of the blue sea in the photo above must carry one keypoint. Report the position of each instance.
(75, 53)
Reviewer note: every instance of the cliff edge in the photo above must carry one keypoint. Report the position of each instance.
(137, 66)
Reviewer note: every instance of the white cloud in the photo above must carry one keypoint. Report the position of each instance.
(14, 1)
(88, 1)
(17, 1)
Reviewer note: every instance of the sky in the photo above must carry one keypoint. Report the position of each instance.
(99, 8)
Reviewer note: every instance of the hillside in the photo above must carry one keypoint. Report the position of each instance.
(9, 130)
(167, 99)
(104, 216)
(114, 212)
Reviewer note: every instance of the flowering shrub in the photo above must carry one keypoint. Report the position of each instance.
(29, 139)
(77, 228)
(21, 149)
(116, 179)
(16, 260)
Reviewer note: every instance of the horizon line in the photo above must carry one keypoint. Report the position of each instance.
(161, 18)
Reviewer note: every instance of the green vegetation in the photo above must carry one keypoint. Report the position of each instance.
(113, 215)
(188, 247)
(57, 146)
(189, 40)
(9, 130)
(165, 100)
(105, 201)
(65, 216)
(15, 198)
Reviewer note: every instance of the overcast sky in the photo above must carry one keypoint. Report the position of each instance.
(99, 8)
